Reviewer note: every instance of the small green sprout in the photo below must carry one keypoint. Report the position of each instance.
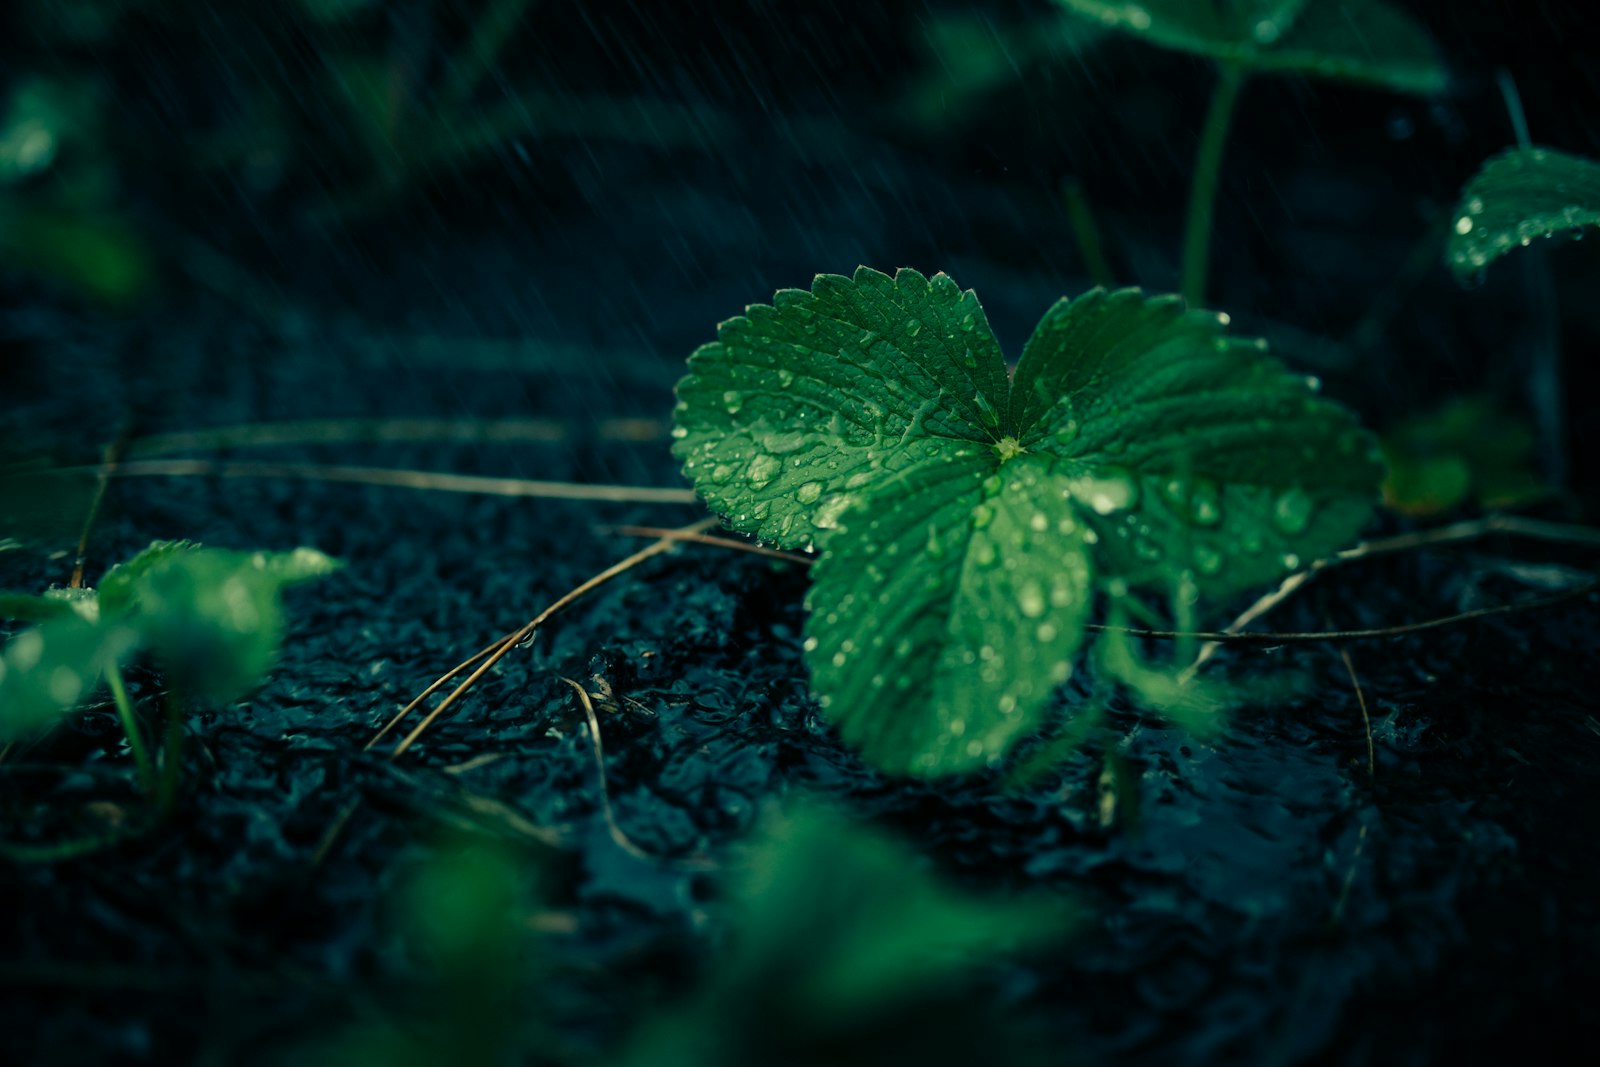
(212, 618)
(965, 519)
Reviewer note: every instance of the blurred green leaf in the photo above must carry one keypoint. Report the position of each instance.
(846, 950)
(51, 668)
(1363, 41)
(1519, 196)
(1467, 450)
(214, 616)
(26, 608)
(120, 585)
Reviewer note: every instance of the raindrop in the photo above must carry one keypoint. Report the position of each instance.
(913, 327)
(782, 444)
(1464, 225)
(827, 516)
(809, 493)
(1113, 489)
(785, 377)
(733, 400)
(1030, 599)
(762, 470)
(1291, 512)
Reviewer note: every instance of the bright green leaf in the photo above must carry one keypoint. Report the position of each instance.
(792, 410)
(961, 516)
(947, 608)
(51, 668)
(1520, 195)
(1186, 449)
(1364, 41)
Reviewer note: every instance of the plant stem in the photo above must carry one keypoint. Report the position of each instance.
(1081, 217)
(130, 727)
(1203, 191)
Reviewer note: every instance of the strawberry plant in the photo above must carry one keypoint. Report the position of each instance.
(966, 517)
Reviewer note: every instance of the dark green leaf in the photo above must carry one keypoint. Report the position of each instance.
(1365, 41)
(1518, 196)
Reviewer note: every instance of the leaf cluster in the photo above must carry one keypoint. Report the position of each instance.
(966, 516)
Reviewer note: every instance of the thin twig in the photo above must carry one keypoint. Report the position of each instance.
(1276, 638)
(404, 479)
(385, 431)
(491, 655)
(623, 841)
(438, 684)
(707, 539)
(1349, 879)
(1366, 717)
(109, 460)
(1456, 533)
(539, 620)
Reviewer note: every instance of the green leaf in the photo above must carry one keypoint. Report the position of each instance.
(1520, 195)
(961, 518)
(213, 616)
(848, 950)
(51, 668)
(794, 407)
(119, 589)
(1363, 41)
(1186, 449)
(958, 587)
(851, 919)
(25, 608)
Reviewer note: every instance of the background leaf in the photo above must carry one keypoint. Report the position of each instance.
(947, 609)
(785, 417)
(1364, 41)
(1520, 195)
(1186, 449)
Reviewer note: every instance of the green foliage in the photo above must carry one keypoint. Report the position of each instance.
(1520, 195)
(963, 518)
(212, 616)
(847, 950)
(1467, 450)
(1363, 41)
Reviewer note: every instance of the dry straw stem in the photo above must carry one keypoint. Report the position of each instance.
(485, 660)
(437, 481)
(1537, 529)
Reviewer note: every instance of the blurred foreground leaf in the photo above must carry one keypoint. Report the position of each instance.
(848, 951)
